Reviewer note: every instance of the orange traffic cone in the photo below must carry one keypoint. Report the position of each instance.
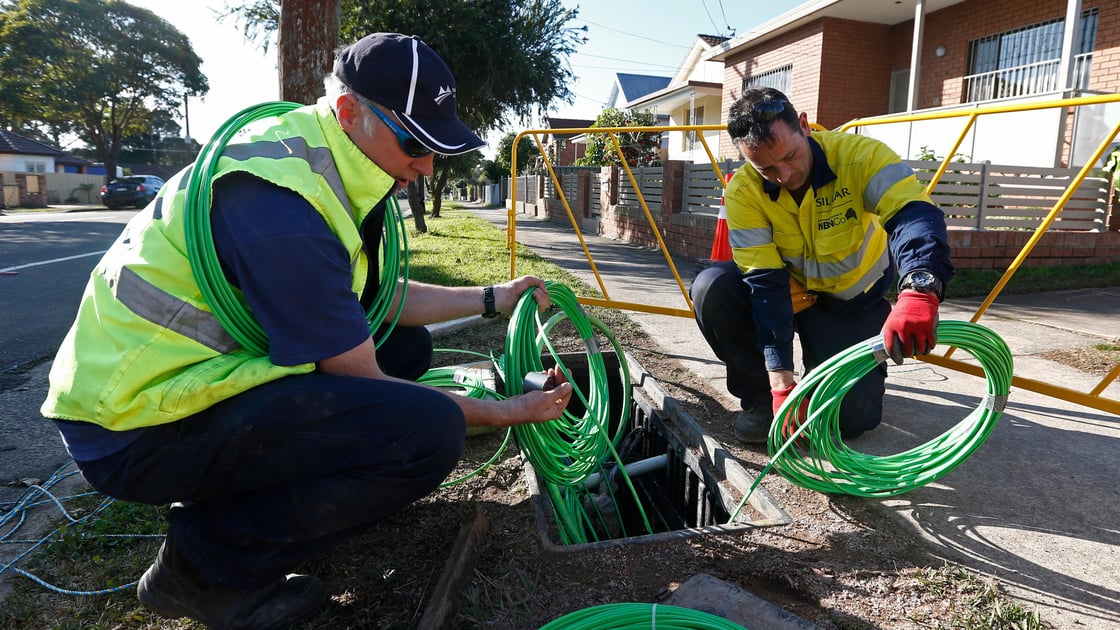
(721, 247)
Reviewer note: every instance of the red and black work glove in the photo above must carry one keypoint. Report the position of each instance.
(794, 419)
(911, 328)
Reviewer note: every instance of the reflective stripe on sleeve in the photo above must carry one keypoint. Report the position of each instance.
(887, 176)
(740, 239)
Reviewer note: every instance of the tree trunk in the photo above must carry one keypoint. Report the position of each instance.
(416, 203)
(306, 42)
(438, 184)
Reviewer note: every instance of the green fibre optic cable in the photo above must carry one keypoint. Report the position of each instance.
(464, 383)
(568, 449)
(826, 464)
(639, 616)
(222, 299)
(565, 451)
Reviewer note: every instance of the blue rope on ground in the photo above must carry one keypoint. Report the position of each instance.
(15, 518)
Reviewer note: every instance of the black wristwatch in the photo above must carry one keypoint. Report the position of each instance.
(488, 303)
(924, 282)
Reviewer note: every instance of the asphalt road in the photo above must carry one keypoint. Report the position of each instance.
(45, 259)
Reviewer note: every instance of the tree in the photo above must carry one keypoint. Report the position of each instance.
(307, 35)
(98, 68)
(306, 43)
(527, 154)
(509, 57)
(639, 148)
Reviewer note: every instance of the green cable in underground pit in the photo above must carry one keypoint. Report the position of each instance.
(826, 464)
(564, 452)
(223, 300)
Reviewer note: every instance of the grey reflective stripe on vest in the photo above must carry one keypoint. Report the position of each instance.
(319, 159)
(830, 270)
(167, 311)
(750, 238)
(887, 176)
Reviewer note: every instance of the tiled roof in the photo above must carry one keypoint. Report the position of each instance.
(637, 85)
(13, 143)
(713, 40)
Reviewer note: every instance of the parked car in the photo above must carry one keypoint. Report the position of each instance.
(134, 190)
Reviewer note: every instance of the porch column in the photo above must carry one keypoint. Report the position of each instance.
(1065, 67)
(916, 54)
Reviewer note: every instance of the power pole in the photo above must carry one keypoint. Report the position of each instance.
(306, 42)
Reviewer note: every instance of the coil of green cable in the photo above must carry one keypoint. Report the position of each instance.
(567, 450)
(826, 464)
(222, 299)
(638, 616)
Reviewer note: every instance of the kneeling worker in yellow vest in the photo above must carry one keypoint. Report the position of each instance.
(820, 224)
(271, 460)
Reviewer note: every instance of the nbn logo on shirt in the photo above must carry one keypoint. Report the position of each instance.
(836, 219)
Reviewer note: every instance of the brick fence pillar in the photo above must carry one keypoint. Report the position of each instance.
(608, 191)
(583, 194)
(672, 188)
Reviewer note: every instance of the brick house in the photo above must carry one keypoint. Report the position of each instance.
(692, 97)
(26, 165)
(560, 145)
(847, 59)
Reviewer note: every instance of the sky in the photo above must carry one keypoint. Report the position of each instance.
(651, 37)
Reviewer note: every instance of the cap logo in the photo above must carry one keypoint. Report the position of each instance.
(443, 94)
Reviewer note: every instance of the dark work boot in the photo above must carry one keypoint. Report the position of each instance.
(171, 588)
(752, 426)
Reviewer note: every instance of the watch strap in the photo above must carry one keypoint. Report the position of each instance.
(488, 303)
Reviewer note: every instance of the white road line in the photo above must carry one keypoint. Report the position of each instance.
(56, 260)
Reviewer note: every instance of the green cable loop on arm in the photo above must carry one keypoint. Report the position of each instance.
(229, 310)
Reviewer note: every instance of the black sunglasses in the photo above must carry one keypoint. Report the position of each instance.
(411, 146)
(760, 114)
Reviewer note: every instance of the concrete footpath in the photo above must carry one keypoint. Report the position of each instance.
(1037, 506)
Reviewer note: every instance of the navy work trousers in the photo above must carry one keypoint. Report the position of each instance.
(288, 470)
(724, 314)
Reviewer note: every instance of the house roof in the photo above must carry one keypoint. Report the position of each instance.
(14, 144)
(875, 11)
(713, 40)
(633, 86)
(567, 123)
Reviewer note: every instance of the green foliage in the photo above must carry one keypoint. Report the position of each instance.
(1112, 166)
(638, 148)
(527, 154)
(492, 171)
(927, 154)
(509, 57)
(980, 282)
(98, 68)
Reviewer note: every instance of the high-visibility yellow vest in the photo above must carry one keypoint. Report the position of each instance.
(833, 242)
(145, 349)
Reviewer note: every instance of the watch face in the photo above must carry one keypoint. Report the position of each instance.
(921, 280)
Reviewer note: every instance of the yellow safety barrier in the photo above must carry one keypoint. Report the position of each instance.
(1092, 398)
(606, 301)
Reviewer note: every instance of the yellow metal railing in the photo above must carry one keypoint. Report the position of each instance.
(511, 235)
(1093, 398)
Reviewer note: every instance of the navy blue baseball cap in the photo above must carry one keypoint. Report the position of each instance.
(403, 74)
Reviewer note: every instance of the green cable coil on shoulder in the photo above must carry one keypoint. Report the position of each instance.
(223, 300)
(826, 464)
(638, 616)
